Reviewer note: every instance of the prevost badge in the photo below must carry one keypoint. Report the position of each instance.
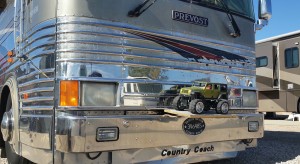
(189, 18)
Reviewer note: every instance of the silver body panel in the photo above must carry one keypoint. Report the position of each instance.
(89, 41)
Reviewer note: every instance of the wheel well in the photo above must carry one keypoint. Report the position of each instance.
(4, 97)
(3, 101)
(198, 95)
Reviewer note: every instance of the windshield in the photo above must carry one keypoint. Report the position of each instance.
(197, 84)
(241, 7)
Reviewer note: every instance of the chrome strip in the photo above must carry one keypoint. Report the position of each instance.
(33, 99)
(37, 108)
(36, 82)
(51, 70)
(44, 89)
(97, 22)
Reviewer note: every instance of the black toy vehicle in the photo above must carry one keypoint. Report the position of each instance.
(166, 97)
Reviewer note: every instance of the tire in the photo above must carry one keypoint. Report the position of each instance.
(196, 106)
(177, 104)
(222, 107)
(12, 157)
(168, 101)
(208, 105)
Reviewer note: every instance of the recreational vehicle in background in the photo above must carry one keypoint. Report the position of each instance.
(71, 89)
(278, 73)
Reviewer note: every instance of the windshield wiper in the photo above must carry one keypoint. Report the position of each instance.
(236, 30)
(138, 10)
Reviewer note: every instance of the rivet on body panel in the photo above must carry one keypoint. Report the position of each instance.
(126, 124)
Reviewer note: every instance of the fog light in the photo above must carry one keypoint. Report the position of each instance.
(253, 126)
(107, 134)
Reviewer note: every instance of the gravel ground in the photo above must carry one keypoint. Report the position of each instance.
(3, 160)
(281, 144)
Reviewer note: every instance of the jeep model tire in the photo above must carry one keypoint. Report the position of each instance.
(177, 103)
(168, 101)
(196, 106)
(222, 107)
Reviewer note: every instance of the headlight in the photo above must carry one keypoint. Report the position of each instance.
(98, 94)
(249, 98)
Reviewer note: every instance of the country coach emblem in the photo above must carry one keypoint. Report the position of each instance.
(189, 18)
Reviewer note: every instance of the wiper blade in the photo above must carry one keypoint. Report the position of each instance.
(140, 9)
(236, 30)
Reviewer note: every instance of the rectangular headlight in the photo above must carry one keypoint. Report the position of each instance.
(98, 94)
(249, 98)
(253, 126)
(107, 134)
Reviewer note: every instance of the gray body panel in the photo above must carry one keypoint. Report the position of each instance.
(81, 40)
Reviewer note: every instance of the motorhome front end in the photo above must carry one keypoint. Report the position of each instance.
(92, 81)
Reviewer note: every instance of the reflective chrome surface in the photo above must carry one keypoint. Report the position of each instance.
(77, 134)
(145, 71)
(265, 9)
(264, 13)
(7, 126)
(94, 43)
(222, 150)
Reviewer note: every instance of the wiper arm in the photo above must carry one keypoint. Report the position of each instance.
(138, 10)
(236, 30)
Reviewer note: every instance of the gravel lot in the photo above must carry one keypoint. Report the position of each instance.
(3, 160)
(281, 144)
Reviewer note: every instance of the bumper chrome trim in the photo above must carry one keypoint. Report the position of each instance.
(78, 134)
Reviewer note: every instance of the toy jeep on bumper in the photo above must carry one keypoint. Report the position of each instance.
(203, 96)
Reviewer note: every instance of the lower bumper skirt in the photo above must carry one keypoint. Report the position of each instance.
(78, 134)
(170, 154)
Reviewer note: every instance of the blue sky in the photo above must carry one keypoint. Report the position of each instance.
(286, 18)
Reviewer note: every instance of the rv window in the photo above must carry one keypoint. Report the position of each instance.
(262, 61)
(292, 57)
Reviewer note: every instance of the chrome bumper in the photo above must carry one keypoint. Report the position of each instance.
(78, 134)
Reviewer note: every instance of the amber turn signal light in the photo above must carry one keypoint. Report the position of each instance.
(10, 60)
(10, 53)
(69, 93)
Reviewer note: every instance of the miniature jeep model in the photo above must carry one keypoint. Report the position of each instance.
(203, 96)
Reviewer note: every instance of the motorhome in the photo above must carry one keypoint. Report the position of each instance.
(71, 87)
(278, 73)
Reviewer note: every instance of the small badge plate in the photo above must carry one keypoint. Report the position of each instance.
(189, 18)
(193, 126)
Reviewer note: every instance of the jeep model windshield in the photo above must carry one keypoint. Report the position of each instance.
(240, 7)
(197, 84)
